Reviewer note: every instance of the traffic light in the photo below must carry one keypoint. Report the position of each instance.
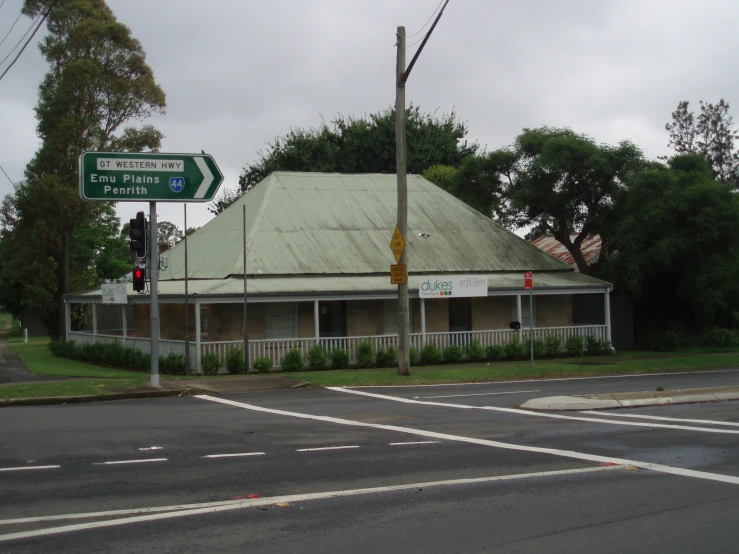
(137, 235)
(139, 279)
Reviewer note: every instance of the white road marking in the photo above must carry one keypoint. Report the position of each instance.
(532, 413)
(24, 468)
(480, 394)
(485, 442)
(666, 374)
(324, 448)
(234, 455)
(416, 442)
(213, 507)
(130, 462)
(661, 418)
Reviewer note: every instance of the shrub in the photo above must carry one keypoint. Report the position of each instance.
(515, 350)
(293, 361)
(452, 354)
(317, 358)
(172, 364)
(475, 352)
(235, 362)
(494, 353)
(339, 358)
(575, 346)
(387, 357)
(540, 348)
(431, 355)
(210, 363)
(664, 340)
(365, 354)
(64, 349)
(414, 356)
(593, 345)
(263, 364)
(553, 345)
(717, 338)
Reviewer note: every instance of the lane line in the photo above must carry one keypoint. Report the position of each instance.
(325, 448)
(480, 394)
(210, 508)
(24, 468)
(666, 374)
(130, 462)
(485, 442)
(533, 413)
(416, 442)
(662, 418)
(234, 455)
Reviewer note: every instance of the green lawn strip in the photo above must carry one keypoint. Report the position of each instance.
(38, 359)
(67, 388)
(513, 370)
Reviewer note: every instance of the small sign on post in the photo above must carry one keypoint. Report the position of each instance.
(528, 284)
(528, 280)
(398, 275)
(397, 244)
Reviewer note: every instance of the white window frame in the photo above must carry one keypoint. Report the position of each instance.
(285, 307)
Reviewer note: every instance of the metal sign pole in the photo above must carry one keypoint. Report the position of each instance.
(154, 294)
(531, 323)
(187, 306)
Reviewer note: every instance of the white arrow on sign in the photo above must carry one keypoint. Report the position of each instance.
(207, 177)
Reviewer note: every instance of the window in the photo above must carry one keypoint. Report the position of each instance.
(390, 308)
(281, 321)
(203, 321)
(525, 320)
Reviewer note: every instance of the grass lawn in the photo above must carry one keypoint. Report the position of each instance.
(502, 371)
(38, 359)
(65, 388)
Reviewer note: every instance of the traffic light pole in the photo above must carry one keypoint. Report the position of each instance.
(154, 293)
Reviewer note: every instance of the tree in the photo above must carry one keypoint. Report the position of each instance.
(168, 234)
(678, 246)
(365, 145)
(475, 182)
(226, 198)
(711, 134)
(555, 181)
(97, 82)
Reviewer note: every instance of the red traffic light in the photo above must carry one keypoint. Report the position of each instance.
(139, 279)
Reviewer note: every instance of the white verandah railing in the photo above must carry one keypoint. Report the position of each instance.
(275, 349)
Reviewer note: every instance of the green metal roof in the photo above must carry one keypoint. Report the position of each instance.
(334, 224)
(501, 283)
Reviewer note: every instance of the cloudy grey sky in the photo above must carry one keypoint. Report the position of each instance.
(238, 73)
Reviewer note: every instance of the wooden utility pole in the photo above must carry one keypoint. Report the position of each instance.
(401, 77)
(403, 331)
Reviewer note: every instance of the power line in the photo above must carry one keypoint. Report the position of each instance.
(2, 3)
(51, 7)
(1, 167)
(424, 25)
(11, 27)
(21, 40)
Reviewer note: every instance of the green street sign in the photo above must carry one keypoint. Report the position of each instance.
(134, 177)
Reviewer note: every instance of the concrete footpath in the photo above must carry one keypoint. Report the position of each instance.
(632, 399)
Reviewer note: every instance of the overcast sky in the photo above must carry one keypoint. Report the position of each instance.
(238, 73)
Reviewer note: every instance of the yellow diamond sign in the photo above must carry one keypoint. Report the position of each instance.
(397, 243)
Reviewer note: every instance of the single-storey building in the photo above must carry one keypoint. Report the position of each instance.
(317, 263)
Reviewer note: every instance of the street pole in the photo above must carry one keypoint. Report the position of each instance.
(154, 293)
(246, 329)
(401, 77)
(531, 324)
(403, 331)
(187, 306)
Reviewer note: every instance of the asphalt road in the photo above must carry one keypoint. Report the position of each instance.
(398, 469)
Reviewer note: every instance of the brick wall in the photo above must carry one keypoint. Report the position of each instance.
(365, 317)
(554, 310)
(492, 312)
(437, 315)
